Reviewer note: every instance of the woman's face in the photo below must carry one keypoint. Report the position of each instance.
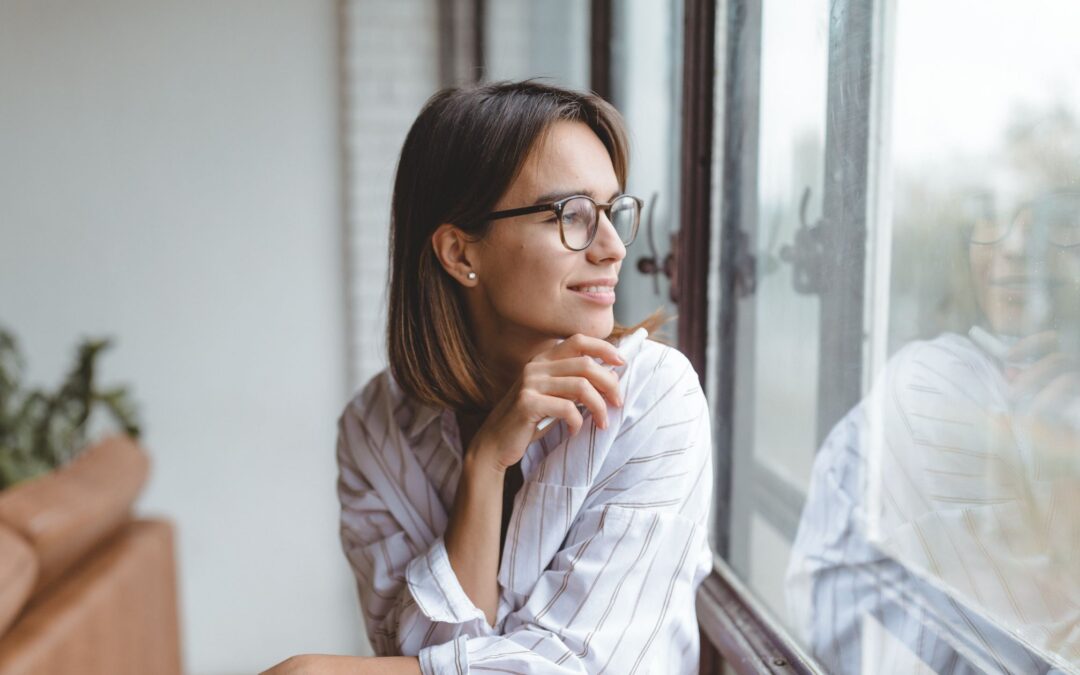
(1023, 281)
(530, 286)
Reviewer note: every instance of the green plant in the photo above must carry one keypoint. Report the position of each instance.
(40, 431)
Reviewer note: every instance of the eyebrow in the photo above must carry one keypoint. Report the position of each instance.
(561, 194)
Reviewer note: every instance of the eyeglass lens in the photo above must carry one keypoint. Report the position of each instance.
(1056, 218)
(580, 219)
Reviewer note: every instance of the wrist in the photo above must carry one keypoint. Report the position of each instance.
(482, 463)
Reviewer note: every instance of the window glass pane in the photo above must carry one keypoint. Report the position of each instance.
(971, 452)
(794, 62)
(932, 523)
(646, 72)
(525, 39)
(777, 372)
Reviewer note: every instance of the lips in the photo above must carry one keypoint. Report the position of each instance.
(595, 286)
(596, 290)
(593, 289)
(1022, 282)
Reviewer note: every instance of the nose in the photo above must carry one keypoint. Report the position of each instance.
(606, 246)
(1022, 240)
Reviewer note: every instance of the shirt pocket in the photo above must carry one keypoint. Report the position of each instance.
(542, 517)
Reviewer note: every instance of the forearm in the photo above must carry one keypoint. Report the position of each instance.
(325, 664)
(472, 534)
(398, 665)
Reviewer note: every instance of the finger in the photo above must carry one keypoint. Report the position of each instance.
(1033, 347)
(1057, 397)
(584, 345)
(1031, 380)
(605, 381)
(579, 389)
(561, 409)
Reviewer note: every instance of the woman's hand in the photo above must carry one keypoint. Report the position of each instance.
(323, 664)
(1046, 393)
(550, 385)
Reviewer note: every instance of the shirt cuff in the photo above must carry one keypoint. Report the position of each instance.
(436, 589)
(449, 658)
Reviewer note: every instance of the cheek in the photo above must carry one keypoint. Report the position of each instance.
(1066, 265)
(527, 277)
(980, 259)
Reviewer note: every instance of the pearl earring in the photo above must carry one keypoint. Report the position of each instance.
(471, 276)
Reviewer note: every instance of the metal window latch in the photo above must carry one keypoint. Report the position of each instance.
(652, 265)
(744, 266)
(807, 254)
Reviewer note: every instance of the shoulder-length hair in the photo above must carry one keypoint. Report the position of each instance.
(460, 156)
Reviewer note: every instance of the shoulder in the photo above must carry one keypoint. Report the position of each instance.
(367, 415)
(950, 363)
(664, 407)
(660, 376)
(378, 393)
(658, 448)
(948, 350)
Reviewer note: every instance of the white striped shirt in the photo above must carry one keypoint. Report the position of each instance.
(934, 537)
(605, 550)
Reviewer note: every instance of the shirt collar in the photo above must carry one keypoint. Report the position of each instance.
(423, 416)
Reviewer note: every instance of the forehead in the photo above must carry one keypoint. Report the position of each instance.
(569, 158)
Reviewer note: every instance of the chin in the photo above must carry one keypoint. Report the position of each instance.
(1015, 321)
(597, 327)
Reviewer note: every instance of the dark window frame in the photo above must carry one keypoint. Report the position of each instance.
(841, 270)
(736, 629)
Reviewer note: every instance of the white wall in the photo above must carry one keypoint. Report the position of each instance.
(384, 88)
(169, 175)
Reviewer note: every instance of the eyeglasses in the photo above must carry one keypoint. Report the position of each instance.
(1054, 217)
(579, 218)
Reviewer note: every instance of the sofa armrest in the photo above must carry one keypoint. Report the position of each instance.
(18, 572)
(64, 514)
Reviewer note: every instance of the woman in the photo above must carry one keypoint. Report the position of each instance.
(940, 531)
(478, 541)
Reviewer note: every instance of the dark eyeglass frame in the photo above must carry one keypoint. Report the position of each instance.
(557, 207)
(1016, 213)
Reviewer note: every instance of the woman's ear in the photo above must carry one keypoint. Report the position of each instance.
(452, 248)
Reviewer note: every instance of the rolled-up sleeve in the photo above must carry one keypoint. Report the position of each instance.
(409, 594)
(436, 590)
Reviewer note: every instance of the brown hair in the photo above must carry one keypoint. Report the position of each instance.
(460, 156)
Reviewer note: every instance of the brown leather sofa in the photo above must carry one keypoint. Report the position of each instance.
(85, 588)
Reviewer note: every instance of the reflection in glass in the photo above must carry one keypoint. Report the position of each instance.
(942, 528)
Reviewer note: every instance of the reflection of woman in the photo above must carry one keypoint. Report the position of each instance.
(479, 542)
(941, 525)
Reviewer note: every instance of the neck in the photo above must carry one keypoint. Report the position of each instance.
(506, 350)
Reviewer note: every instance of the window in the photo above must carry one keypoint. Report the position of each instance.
(548, 40)
(646, 64)
(900, 400)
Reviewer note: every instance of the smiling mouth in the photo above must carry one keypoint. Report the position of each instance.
(602, 295)
(1021, 283)
(593, 289)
